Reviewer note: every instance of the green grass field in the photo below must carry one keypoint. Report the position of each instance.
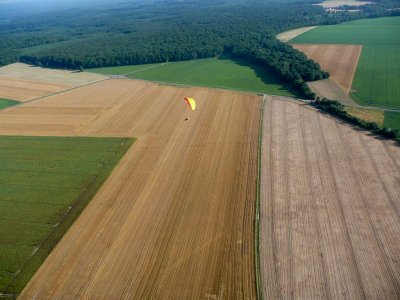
(45, 182)
(211, 72)
(392, 120)
(377, 78)
(4, 103)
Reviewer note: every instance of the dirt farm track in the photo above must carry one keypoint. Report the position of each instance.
(175, 219)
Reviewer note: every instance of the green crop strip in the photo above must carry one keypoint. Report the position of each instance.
(45, 183)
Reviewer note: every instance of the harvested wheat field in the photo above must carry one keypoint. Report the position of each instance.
(339, 60)
(338, 3)
(175, 219)
(330, 206)
(22, 82)
(22, 90)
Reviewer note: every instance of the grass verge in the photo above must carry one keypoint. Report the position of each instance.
(370, 115)
(392, 120)
(388, 119)
(338, 110)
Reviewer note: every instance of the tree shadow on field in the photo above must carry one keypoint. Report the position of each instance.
(358, 128)
(55, 68)
(265, 75)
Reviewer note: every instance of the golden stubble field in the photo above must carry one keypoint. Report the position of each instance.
(330, 204)
(175, 219)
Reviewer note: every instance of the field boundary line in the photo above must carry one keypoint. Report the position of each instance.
(122, 76)
(257, 260)
(67, 90)
(152, 67)
(355, 70)
(189, 85)
(376, 108)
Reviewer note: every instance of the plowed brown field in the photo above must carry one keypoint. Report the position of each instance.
(175, 219)
(330, 205)
(339, 60)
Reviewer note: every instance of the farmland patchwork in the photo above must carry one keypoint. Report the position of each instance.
(377, 78)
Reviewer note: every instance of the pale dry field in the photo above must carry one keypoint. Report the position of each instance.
(175, 219)
(327, 88)
(23, 90)
(291, 34)
(371, 115)
(34, 73)
(337, 3)
(330, 205)
(339, 60)
(22, 82)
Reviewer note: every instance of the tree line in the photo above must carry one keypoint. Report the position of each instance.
(338, 110)
(171, 31)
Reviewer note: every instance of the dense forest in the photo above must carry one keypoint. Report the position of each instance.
(137, 33)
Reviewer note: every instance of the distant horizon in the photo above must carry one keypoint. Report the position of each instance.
(21, 8)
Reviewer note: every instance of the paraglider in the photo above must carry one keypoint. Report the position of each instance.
(191, 103)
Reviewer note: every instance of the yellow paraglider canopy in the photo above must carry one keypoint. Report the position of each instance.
(191, 103)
